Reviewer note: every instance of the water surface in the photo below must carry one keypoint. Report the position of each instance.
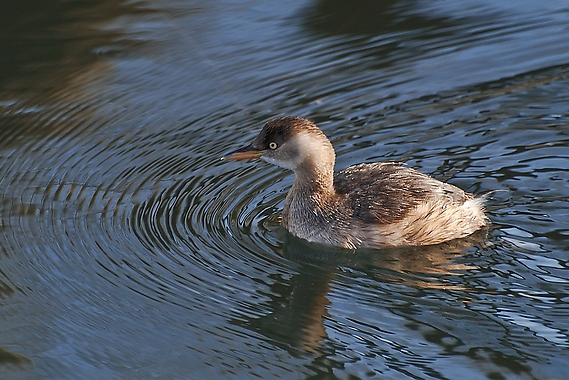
(128, 249)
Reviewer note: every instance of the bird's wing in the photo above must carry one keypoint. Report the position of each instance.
(386, 192)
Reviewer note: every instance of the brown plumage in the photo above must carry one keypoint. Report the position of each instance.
(367, 205)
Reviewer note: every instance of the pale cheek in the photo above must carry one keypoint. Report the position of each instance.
(282, 164)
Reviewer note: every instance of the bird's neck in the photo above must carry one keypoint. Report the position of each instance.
(315, 171)
(314, 177)
(307, 202)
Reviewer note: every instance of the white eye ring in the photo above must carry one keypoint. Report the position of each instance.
(273, 145)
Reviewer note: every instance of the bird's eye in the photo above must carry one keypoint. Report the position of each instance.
(273, 145)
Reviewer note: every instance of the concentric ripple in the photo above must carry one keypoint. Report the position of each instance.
(129, 249)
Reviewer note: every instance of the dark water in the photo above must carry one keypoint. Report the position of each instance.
(129, 250)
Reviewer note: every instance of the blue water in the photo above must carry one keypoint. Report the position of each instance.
(129, 249)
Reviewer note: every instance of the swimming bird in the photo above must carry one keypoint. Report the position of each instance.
(375, 205)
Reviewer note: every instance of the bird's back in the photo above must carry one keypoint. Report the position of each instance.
(390, 204)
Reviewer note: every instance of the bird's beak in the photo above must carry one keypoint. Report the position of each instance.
(245, 153)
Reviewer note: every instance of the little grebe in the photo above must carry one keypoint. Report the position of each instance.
(375, 205)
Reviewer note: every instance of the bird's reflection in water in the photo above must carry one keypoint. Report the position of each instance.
(419, 267)
(298, 303)
(298, 309)
(11, 359)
